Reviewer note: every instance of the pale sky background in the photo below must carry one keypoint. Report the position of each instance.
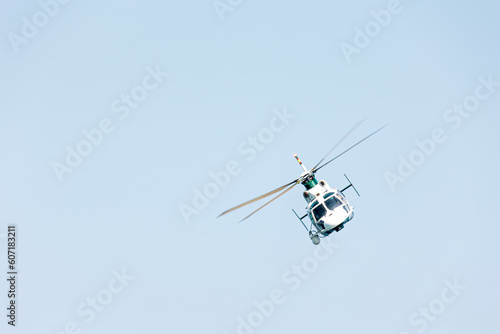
(120, 208)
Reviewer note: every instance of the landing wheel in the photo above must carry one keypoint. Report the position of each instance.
(316, 240)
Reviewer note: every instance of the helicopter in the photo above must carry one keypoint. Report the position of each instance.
(327, 208)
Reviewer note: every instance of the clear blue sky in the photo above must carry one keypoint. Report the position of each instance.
(160, 96)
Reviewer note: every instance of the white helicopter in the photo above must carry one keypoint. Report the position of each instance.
(327, 207)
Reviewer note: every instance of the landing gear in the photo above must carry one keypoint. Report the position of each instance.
(312, 233)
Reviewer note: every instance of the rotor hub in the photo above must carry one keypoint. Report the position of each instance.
(309, 180)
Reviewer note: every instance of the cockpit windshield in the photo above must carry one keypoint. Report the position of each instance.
(332, 202)
(319, 211)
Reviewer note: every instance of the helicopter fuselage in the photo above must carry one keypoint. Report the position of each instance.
(327, 208)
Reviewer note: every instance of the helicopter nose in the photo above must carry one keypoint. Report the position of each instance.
(333, 219)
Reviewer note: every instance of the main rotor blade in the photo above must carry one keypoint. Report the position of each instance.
(340, 142)
(359, 142)
(258, 198)
(284, 191)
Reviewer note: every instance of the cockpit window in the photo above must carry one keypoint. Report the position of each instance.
(319, 211)
(332, 202)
